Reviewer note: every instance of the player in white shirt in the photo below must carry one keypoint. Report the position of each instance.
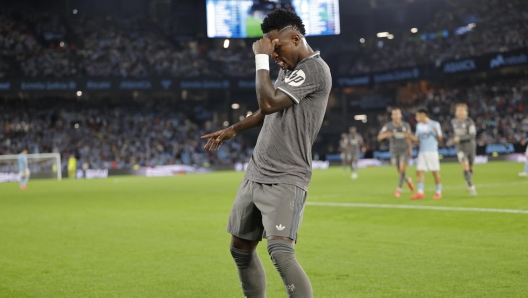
(23, 169)
(429, 134)
(525, 173)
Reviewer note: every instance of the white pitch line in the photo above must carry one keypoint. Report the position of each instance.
(393, 206)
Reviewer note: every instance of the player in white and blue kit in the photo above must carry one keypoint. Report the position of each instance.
(429, 134)
(23, 169)
(525, 173)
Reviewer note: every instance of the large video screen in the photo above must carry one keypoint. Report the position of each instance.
(242, 18)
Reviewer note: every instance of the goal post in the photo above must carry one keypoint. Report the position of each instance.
(42, 165)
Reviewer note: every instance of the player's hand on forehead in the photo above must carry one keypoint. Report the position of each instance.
(264, 46)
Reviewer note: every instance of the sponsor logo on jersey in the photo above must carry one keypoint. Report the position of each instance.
(296, 78)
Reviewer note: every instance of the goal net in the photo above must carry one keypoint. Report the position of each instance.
(41, 166)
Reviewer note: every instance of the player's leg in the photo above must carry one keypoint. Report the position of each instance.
(421, 167)
(354, 164)
(26, 179)
(344, 162)
(245, 226)
(466, 160)
(396, 162)
(399, 161)
(403, 169)
(282, 207)
(525, 173)
(438, 182)
(23, 179)
(420, 186)
(434, 166)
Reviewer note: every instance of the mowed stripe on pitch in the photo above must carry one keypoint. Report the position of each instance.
(437, 208)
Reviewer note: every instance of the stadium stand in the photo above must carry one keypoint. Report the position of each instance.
(500, 26)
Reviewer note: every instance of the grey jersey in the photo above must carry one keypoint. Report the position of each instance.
(397, 143)
(465, 130)
(354, 142)
(283, 153)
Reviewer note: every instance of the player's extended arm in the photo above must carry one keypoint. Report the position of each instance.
(385, 135)
(269, 99)
(410, 143)
(438, 135)
(216, 139)
(411, 137)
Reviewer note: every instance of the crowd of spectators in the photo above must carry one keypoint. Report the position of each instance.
(495, 26)
(109, 46)
(122, 137)
(34, 45)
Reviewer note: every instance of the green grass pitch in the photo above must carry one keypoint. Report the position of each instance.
(165, 237)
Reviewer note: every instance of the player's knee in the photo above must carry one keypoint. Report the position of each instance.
(242, 257)
(282, 253)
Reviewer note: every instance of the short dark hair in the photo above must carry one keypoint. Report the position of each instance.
(423, 110)
(280, 19)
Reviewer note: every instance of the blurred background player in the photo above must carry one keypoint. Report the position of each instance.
(72, 166)
(355, 145)
(465, 143)
(400, 147)
(525, 173)
(343, 148)
(23, 169)
(429, 134)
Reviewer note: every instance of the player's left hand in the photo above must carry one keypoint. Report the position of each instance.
(216, 139)
(264, 46)
(456, 139)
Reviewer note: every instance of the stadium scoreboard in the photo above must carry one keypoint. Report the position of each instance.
(242, 18)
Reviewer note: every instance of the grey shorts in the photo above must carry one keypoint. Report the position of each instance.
(354, 154)
(398, 157)
(466, 152)
(262, 210)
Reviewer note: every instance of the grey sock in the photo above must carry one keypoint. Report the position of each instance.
(403, 178)
(469, 180)
(295, 279)
(251, 273)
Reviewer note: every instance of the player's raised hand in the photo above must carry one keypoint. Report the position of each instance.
(216, 139)
(264, 46)
(456, 139)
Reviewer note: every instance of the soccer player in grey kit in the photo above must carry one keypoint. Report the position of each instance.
(355, 145)
(400, 147)
(465, 143)
(270, 200)
(346, 157)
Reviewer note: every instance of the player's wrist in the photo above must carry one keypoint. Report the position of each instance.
(262, 62)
